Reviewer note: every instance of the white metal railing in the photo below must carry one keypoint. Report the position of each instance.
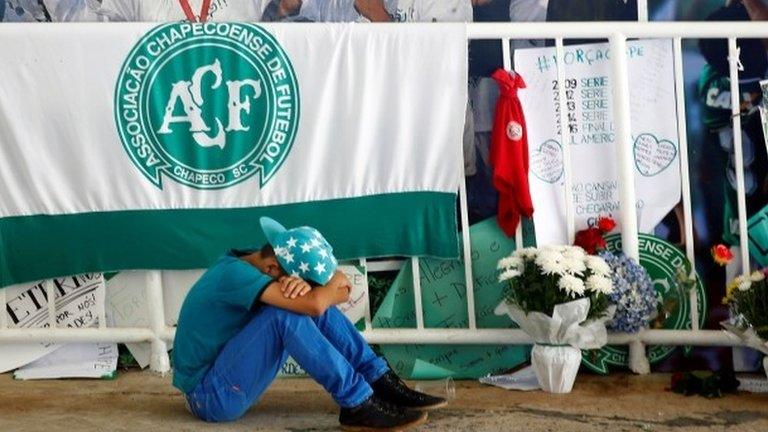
(158, 334)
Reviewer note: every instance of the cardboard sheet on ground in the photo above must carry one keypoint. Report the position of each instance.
(589, 83)
(77, 360)
(445, 306)
(78, 299)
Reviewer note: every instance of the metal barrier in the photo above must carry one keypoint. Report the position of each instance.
(617, 33)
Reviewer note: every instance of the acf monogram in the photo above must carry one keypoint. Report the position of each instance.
(207, 104)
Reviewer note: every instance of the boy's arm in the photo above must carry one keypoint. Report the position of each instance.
(315, 302)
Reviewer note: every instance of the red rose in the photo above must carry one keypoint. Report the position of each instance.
(721, 254)
(606, 224)
(590, 239)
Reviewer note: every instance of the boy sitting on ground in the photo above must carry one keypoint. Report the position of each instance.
(252, 309)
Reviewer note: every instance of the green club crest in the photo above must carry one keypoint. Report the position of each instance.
(207, 104)
(662, 260)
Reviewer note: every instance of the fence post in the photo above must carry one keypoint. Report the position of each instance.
(738, 152)
(624, 162)
(158, 361)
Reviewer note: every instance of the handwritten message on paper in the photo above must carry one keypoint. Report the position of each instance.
(591, 131)
(354, 309)
(444, 302)
(78, 300)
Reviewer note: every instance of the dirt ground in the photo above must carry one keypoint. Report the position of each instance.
(142, 401)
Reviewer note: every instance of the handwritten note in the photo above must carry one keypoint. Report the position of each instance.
(354, 309)
(589, 86)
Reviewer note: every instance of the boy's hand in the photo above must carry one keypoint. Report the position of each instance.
(340, 279)
(342, 285)
(293, 287)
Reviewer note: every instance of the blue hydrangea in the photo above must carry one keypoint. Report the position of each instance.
(633, 295)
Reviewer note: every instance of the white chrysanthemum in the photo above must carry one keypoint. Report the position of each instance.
(548, 254)
(599, 284)
(571, 285)
(558, 250)
(528, 253)
(550, 263)
(553, 267)
(508, 274)
(511, 262)
(757, 276)
(745, 285)
(598, 265)
(575, 252)
(575, 266)
(505, 262)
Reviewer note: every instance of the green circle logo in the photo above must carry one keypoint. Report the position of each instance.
(663, 261)
(207, 104)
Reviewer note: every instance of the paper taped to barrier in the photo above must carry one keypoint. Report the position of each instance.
(78, 299)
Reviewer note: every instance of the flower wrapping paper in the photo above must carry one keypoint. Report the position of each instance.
(566, 326)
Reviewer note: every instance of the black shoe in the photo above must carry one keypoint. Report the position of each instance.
(376, 415)
(392, 389)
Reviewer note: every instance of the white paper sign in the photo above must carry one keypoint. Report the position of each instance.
(77, 360)
(589, 86)
(78, 299)
(127, 304)
(354, 309)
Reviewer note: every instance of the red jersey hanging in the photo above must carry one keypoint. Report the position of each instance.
(509, 153)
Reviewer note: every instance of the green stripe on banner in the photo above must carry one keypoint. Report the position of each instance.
(41, 247)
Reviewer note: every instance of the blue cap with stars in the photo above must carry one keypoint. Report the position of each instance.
(302, 252)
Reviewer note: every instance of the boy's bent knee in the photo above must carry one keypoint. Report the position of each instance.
(282, 314)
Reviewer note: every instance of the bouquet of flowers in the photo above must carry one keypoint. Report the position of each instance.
(540, 279)
(559, 296)
(747, 297)
(633, 294)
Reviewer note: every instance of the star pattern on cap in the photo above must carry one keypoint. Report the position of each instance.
(280, 251)
(320, 268)
(303, 252)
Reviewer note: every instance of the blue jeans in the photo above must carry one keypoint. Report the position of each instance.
(328, 347)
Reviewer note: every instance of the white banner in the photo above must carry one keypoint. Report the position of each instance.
(365, 99)
(99, 120)
(589, 87)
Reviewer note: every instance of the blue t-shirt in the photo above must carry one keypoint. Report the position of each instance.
(217, 307)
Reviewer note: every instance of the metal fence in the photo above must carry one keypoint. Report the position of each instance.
(158, 334)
